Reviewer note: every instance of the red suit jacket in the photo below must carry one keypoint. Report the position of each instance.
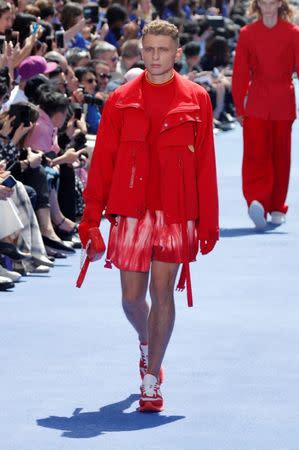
(262, 75)
(118, 174)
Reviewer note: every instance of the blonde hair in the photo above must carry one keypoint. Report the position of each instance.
(285, 11)
(161, 27)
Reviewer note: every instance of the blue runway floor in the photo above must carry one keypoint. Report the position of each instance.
(69, 361)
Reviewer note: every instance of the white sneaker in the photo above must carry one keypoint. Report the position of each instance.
(256, 213)
(13, 276)
(278, 218)
(151, 399)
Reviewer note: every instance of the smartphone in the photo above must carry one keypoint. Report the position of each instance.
(49, 42)
(2, 40)
(12, 36)
(34, 27)
(9, 181)
(21, 113)
(91, 13)
(77, 111)
(59, 38)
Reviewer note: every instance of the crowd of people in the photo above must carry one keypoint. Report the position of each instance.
(59, 62)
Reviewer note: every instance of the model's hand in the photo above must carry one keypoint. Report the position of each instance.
(92, 234)
(207, 245)
(96, 248)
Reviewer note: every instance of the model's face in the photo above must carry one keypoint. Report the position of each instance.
(159, 55)
(269, 8)
(5, 21)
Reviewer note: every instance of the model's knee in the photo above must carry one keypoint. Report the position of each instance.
(161, 289)
(131, 298)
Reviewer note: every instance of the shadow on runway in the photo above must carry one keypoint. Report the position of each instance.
(239, 232)
(109, 418)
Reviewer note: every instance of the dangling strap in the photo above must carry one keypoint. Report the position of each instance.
(185, 272)
(82, 273)
(108, 264)
(84, 263)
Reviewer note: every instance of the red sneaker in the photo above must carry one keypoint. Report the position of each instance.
(143, 363)
(151, 399)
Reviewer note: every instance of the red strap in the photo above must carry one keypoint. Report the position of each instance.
(82, 273)
(189, 289)
(186, 279)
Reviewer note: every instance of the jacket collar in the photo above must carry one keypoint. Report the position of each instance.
(130, 95)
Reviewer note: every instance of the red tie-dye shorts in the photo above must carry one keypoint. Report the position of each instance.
(134, 243)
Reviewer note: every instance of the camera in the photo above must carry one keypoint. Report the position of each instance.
(79, 141)
(92, 100)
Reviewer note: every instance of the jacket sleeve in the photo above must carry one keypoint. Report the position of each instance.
(296, 49)
(102, 164)
(241, 73)
(206, 174)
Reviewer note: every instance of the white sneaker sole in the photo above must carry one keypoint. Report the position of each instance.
(278, 218)
(256, 214)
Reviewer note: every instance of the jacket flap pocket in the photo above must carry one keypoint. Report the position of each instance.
(181, 135)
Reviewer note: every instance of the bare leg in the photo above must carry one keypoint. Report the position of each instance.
(45, 224)
(162, 314)
(56, 214)
(134, 287)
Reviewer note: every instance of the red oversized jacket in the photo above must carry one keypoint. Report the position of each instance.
(118, 175)
(262, 75)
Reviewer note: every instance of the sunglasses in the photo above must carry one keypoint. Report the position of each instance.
(104, 75)
(91, 80)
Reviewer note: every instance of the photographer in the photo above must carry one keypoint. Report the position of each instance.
(88, 81)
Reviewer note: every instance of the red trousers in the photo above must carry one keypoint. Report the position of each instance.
(266, 162)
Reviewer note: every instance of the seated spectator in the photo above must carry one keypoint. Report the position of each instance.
(119, 29)
(71, 15)
(216, 55)
(77, 57)
(106, 52)
(103, 74)
(5, 16)
(87, 79)
(29, 68)
(130, 53)
(53, 108)
(26, 167)
(191, 58)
